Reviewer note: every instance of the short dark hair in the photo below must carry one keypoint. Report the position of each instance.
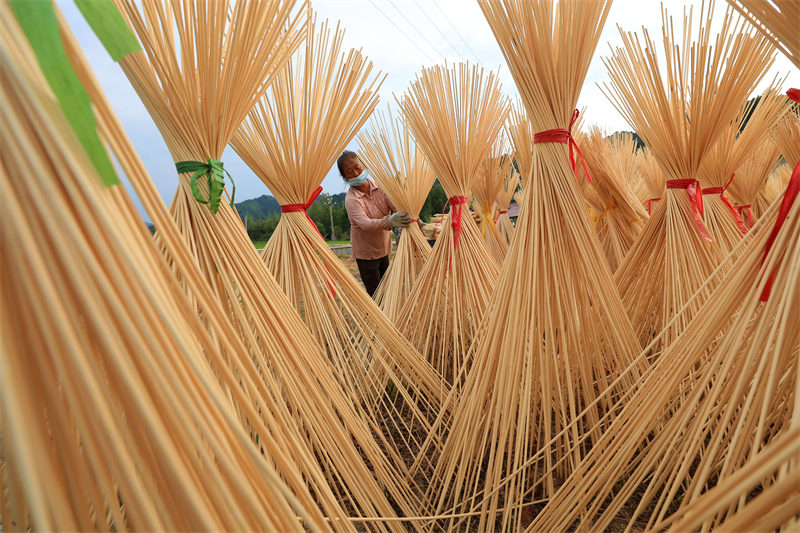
(347, 154)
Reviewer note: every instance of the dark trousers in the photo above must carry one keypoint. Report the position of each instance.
(372, 271)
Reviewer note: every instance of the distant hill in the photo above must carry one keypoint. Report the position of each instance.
(265, 206)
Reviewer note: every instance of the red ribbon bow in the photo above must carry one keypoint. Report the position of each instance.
(696, 196)
(746, 209)
(649, 204)
(296, 208)
(564, 137)
(794, 94)
(497, 216)
(789, 197)
(721, 192)
(455, 216)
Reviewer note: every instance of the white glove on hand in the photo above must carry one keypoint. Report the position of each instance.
(399, 219)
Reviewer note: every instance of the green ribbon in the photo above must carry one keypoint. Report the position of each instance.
(107, 23)
(216, 181)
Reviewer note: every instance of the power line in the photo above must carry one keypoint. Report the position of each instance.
(457, 32)
(401, 31)
(415, 28)
(439, 30)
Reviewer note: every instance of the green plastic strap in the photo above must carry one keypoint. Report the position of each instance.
(216, 181)
(38, 21)
(109, 26)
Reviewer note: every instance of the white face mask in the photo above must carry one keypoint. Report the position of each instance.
(355, 182)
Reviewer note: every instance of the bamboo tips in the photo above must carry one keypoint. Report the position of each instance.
(495, 171)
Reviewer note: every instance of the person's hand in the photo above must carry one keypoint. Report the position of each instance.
(399, 219)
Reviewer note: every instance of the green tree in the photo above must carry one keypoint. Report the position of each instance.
(434, 203)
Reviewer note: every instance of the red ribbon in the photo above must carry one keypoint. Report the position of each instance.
(794, 94)
(497, 216)
(649, 203)
(789, 197)
(696, 196)
(296, 208)
(746, 209)
(564, 137)
(455, 216)
(721, 192)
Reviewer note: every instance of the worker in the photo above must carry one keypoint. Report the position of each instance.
(372, 217)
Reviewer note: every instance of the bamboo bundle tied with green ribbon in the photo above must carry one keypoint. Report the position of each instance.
(290, 140)
(680, 116)
(720, 402)
(503, 199)
(543, 352)
(620, 215)
(455, 113)
(738, 140)
(112, 420)
(402, 172)
(281, 361)
(496, 169)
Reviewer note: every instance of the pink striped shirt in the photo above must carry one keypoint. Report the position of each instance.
(370, 235)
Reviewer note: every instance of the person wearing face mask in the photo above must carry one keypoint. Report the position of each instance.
(372, 217)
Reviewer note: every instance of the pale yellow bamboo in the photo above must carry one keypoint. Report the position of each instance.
(504, 197)
(776, 19)
(496, 169)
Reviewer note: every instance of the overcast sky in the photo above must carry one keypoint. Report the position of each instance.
(400, 37)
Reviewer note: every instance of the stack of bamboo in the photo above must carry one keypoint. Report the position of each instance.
(456, 114)
(401, 171)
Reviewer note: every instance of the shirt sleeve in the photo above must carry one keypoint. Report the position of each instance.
(358, 217)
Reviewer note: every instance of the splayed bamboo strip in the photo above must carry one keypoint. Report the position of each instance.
(776, 19)
(621, 217)
(290, 140)
(112, 419)
(507, 191)
(401, 171)
(280, 351)
(456, 114)
(524, 388)
(724, 390)
(717, 172)
(680, 116)
(495, 170)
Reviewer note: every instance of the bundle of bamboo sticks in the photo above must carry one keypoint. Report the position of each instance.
(401, 171)
(455, 114)
(651, 186)
(680, 116)
(495, 171)
(777, 20)
(290, 140)
(504, 197)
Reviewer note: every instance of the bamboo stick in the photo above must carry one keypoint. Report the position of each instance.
(777, 20)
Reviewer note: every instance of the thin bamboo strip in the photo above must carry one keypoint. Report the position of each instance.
(290, 140)
(111, 420)
(724, 390)
(504, 197)
(401, 171)
(776, 19)
(676, 109)
(455, 114)
(717, 172)
(543, 353)
(496, 169)
(279, 348)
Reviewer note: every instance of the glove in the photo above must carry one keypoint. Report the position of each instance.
(399, 219)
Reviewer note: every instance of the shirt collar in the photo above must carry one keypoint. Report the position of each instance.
(360, 194)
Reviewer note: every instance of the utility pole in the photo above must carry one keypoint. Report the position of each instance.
(330, 206)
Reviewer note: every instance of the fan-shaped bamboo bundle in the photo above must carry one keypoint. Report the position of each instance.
(724, 391)
(401, 171)
(520, 133)
(496, 169)
(507, 191)
(281, 359)
(679, 115)
(290, 140)
(455, 114)
(776, 184)
(621, 217)
(556, 332)
(752, 176)
(787, 135)
(110, 417)
(651, 187)
(717, 172)
(776, 19)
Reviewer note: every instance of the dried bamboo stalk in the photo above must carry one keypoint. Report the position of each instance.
(680, 116)
(455, 114)
(777, 20)
(543, 353)
(401, 171)
(290, 139)
(495, 170)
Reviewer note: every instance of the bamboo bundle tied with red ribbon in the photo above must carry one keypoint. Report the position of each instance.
(198, 99)
(621, 217)
(504, 197)
(290, 140)
(456, 114)
(543, 353)
(402, 172)
(739, 139)
(114, 419)
(680, 116)
(650, 188)
(496, 169)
